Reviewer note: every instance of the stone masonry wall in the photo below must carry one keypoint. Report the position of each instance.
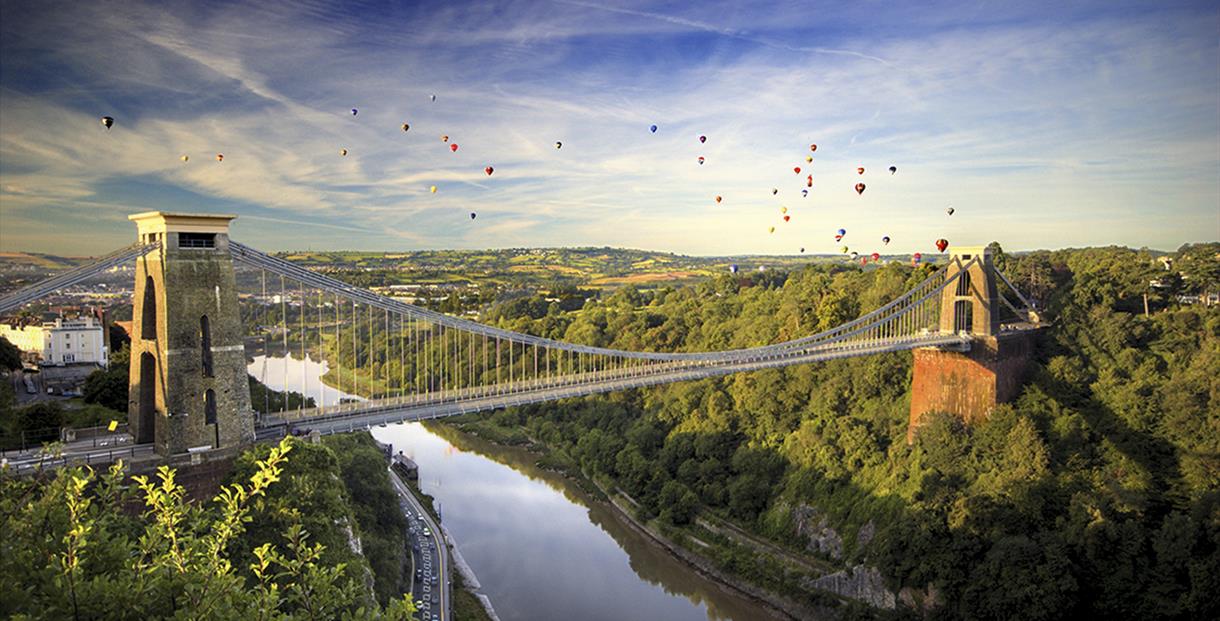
(969, 384)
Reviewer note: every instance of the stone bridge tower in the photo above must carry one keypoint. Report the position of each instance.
(188, 385)
(968, 384)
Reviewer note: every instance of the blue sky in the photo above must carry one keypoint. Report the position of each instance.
(1043, 125)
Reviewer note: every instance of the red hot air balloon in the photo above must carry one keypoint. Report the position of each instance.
(916, 258)
(489, 170)
(700, 160)
(796, 169)
(718, 199)
(876, 256)
(860, 170)
(813, 147)
(786, 218)
(859, 188)
(809, 181)
(453, 147)
(941, 244)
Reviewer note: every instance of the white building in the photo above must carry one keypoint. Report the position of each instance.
(77, 341)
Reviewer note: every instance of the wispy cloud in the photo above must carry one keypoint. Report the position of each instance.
(1037, 124)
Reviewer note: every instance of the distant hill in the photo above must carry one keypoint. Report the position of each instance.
(597, 267)
(36, 259)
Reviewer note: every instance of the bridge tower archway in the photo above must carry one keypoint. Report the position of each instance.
(188, 364)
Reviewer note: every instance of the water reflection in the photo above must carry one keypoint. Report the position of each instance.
(540, 546)
(543, 549)
(285, 372)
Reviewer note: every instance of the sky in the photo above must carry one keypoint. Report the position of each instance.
(1043, 124)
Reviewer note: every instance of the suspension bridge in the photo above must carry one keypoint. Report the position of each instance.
(190, 341)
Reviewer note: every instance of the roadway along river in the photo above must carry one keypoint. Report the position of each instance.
(541, 548)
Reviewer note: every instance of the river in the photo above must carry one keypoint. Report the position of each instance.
(541, 547)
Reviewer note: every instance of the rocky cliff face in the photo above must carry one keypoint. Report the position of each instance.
(860, 583)
(815, 528)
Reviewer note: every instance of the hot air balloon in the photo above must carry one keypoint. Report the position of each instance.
(700, 160)
(107, 121)
(472, 215)
(886, 240)
(843, 249)
(186, 157)
(893, 169)
(796, 169)
(838, 238)
(804, 193)
(876, 256)
(405, 127)
(342, 151)
(842, 232)
(771, 230)
(808, 158)
(355, 112)
(653, 129)
(916, 258)
(432, 189)
(558, 145)
(702, 138)
(718, 199)
(733, 268)
(802, 249)
(220, 157)
(786, 218)
(809, 181)
(444, 137)
(860, 170)
(949, 211)
(854, 254)
(783, 210)
(488, 170)
(774, 191)
(941, 244)
(453, 147)
(813, 147)
(434, 98)
(859, 188)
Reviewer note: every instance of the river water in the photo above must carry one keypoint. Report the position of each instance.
(541, 547)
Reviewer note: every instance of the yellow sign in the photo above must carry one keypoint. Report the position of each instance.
(114, 424)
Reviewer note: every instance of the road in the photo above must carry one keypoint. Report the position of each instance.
(438, 543)
(91, 451)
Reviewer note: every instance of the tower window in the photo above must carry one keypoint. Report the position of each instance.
(148, 323)
(196, 240)
(209, 407)
(205, 345)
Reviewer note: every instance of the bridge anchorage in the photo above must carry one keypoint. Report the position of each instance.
(189, 391)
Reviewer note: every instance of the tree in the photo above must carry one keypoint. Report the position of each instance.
(10, 356)
(70, 551)
(109, 386)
